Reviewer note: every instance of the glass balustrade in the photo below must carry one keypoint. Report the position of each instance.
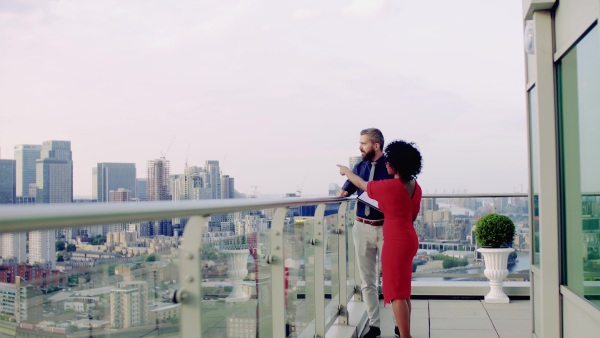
(260, 274)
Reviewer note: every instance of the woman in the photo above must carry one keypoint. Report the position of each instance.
(400, 200)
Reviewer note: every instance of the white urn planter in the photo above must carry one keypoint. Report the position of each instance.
(496, 269)
(237, 270)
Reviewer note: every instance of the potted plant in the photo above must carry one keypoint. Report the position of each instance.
(495, 234)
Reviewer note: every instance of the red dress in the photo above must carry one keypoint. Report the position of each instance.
(400, 241)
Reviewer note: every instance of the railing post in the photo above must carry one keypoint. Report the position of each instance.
(319, 244)
(342, 252)
(189, 294)
(276, 260)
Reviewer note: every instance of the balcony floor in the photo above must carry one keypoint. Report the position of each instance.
(464, 319)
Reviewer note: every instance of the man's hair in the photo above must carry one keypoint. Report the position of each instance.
(375, 135)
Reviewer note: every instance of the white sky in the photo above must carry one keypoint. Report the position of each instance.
(277, 91)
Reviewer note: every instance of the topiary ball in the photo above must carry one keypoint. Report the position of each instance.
(495, 231)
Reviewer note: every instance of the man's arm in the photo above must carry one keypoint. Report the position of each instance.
(356, 180)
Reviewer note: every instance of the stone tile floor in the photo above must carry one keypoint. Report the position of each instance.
(464, 319)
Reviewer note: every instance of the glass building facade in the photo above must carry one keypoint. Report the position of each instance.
(563, 87)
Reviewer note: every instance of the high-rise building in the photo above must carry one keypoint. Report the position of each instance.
(227, 187)
(353, 160)
(14, 245)
(158, 180)
(214, 176)
(7, 182)
(54, 173)
(42, 247)
(129, 305)
(112, 176)
(26, 156)
(141, 189)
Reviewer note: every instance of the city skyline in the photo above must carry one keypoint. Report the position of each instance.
(277, 93)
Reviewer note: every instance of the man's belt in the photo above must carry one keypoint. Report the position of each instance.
(375, 223)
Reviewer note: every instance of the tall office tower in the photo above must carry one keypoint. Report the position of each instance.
(158, 180)
(141, 189)
(227, 187)
(119, 195)
(25, 156)
(353, 161)
(14, 245)
(129, 305)
(54, 173)
(41, 247)
(95, 183)
(212, 167)
(7, 182)
(112, 176)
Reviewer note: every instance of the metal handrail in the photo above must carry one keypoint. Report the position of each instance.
(19, 218)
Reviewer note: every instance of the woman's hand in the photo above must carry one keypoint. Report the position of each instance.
(344, 170)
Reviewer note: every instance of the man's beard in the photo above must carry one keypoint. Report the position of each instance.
(368, 156)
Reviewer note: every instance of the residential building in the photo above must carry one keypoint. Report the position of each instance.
(14, 244)
(42, 247)
(20, 301)
(129, 305)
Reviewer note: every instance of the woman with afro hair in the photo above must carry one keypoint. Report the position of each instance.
(399, 199)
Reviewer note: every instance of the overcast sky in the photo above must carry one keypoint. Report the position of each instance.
(277, 91)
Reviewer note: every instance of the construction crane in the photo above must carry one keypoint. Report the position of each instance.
(163, 155)
(254, 191)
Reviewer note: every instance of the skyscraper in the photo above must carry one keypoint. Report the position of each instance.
(26, 156)
(212, 167)
(141, 189)
(112, 176)
(227, 187)
(54, 173)
(158, 180)
(7, 181)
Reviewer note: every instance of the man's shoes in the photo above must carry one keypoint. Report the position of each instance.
(374, 332)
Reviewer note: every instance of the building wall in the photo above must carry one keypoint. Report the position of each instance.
(8, 181)
(563, 82)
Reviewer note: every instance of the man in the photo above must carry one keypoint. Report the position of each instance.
(367, 232)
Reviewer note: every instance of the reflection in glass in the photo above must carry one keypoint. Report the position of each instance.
(579, 85)
(535, 174)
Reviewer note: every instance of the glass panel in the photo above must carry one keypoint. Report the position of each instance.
(235, 275)
(350, 253)
(579, 72)
(535, 174)
(332, 278)
(447, 244)
(105, 278)
(299, 311)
